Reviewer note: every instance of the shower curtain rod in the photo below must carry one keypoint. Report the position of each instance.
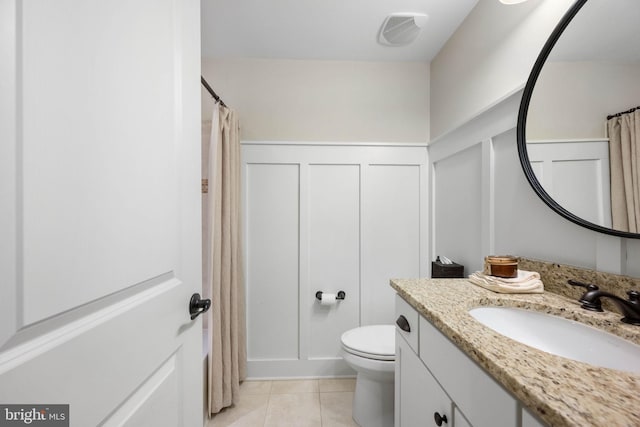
(624, 112)
(211, 91)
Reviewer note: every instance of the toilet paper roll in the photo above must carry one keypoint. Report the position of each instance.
(328, 299)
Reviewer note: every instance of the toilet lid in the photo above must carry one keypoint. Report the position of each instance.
(374, 342)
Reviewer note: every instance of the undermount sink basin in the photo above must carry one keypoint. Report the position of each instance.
(561, 337)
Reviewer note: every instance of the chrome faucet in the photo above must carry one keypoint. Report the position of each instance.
(630, 308)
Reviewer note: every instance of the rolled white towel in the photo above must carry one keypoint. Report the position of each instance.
(527, 282)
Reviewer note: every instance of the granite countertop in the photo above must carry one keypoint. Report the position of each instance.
(562, 392)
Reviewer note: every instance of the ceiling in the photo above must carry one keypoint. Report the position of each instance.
(323, 29)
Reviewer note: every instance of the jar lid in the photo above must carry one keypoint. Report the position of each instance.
(501, 259)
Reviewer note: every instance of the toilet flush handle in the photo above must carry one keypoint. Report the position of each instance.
(403, 323)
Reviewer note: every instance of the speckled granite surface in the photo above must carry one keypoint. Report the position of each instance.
(562, 392)
(555, 276)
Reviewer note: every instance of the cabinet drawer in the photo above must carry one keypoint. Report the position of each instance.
(411, 322)
(483, 401)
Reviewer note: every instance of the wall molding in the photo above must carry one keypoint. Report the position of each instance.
(339, 144)
(361, 220)
(609, 252)
(498, 119)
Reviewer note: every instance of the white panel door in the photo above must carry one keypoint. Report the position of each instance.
(100, 218)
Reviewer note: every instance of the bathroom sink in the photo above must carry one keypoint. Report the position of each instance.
(562, 337)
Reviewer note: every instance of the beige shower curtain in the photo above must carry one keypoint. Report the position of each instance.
(222, 266)
(624, 155)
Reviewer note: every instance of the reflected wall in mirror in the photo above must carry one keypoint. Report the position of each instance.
(579, 160)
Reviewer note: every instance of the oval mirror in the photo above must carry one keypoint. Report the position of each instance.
(578, 130)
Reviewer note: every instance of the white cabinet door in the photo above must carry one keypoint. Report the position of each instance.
(100, 222)
(476, 393)
(529, 420)
(459, 420)
(418, 395)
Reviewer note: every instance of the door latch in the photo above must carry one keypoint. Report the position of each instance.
(197, 305)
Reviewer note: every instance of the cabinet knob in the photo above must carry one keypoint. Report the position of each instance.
(439, 419)
(403, 323)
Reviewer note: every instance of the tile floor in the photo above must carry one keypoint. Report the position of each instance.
(297, 403)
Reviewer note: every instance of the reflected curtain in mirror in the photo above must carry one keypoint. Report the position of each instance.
(222, 259)
(624, 154)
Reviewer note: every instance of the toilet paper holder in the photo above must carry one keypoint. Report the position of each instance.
(339, 296)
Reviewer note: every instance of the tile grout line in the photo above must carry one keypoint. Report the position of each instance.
(320, 405)
(266, 411)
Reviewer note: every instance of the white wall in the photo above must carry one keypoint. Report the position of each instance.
(456, 191)
(488, 57)
(326, 217)
(491, 208)
(295, 100)
(573, 99)
(474, 105)
(575, 173)
(322, 221)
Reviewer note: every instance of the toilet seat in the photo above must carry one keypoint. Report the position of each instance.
(375, 342)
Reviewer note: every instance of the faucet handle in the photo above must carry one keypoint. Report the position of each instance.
(588, 286)
(592, 304)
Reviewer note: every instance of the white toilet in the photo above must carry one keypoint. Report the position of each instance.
(371, 351)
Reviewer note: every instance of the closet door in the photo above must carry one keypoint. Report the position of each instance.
(100, 220)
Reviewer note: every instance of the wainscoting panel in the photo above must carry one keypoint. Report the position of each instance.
(271, 223)
(458, 197)
(477, 182)
(525, 226)
(333, 255)
(391, 235)
(326, 217)
(573, 172)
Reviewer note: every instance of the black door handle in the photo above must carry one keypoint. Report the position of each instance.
(403, 323)
(439, 419)
(197, 306)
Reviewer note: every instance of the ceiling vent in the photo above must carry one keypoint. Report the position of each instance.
(400, 29)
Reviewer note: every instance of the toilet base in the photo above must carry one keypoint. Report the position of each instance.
(373, 401)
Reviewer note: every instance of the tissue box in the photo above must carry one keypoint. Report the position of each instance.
(446, 271)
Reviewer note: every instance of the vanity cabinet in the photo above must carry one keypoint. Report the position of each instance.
(418, 394)
(478, 395)
(459, 420)
(419, 399)
(528, 420)
(433, 375)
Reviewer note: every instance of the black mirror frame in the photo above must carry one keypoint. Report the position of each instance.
(521, 131)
